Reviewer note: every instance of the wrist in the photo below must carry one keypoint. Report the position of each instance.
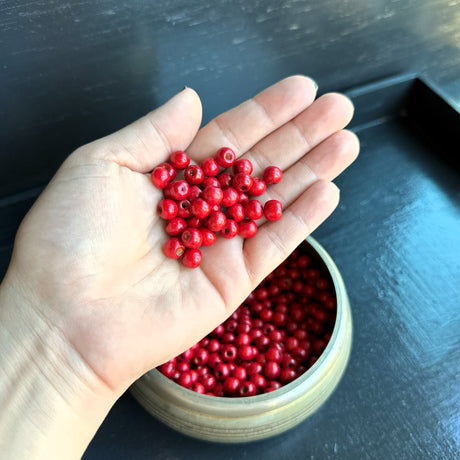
(51, 403)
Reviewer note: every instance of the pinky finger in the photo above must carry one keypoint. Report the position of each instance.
(274, 241)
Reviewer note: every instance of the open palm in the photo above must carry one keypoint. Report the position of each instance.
(92, 244)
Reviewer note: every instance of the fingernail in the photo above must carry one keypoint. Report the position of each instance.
(184, 88)
(314, 84)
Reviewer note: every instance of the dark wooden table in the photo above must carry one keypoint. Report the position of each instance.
(74, 71)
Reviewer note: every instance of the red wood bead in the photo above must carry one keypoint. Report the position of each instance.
(210, 167)
(194, 175)
(179, 159)
(247, 388)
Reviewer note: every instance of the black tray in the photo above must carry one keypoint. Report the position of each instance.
(395, 239)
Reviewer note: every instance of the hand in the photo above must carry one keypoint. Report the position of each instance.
(88, 255)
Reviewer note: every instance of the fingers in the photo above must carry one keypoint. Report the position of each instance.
(242, 127)
(325, 162)
(150, 140)
(327, 115)
(274, 241)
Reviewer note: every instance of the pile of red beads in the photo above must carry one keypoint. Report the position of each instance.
(205, 201)
(278, 333)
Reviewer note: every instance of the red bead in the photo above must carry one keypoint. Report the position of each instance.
(276, 336)
(236, 212)
(176, 226)
(179, 190)
(242, 182)
(230, 386)
(303, 261)
(210, 167)
(245, 352)
(230, 325)
(230, 197)
(258, 380)
(200, 208)
(173, 248)
(287, 375)
(247, 228)
(262, 342)
(185, 379)
(247, 389)
(243, 327)
(192, 258)
(218, 331)
(242, 339)
(242, 165)
(213, 360)
(273, 210)
(279, 319)
(186, 355)
(221, 371)
(288, 361)
(243, 198)
(299, 354)
(195, 192)
(167, 369)
(200, 356)
(219, 390)
(319, 345)
(203, 343)
(258, 187)
(160, 177)
(194, 374)
(198, 388)
(228, 352)
(194, 175)
(210, 182)
(301, 334)
(239, 373)
(225, 180)
(254, 368)
(191, 238)
(183, 208)
(213, 345)
(183, 365)
(253, 209)
(261, 293)
(167, 209)
(290, 343)
(216, 221)
(275, 384)
(272, 370)
(230, 229)
(255, 333)
(266, 315)
(274, 354)
(209, 237)
(228, 337)
(169, 167)
(225, 157)
(179, 159)
(273, 175)
(213, 195)
(208, 381)
(194, 222)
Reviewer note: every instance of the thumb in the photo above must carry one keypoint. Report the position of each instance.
(150, 140)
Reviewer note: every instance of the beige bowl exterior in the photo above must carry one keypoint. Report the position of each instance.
(234, 420)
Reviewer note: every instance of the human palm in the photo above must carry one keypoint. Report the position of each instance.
(92, 244)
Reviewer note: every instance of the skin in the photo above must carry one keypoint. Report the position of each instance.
(90, 303)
